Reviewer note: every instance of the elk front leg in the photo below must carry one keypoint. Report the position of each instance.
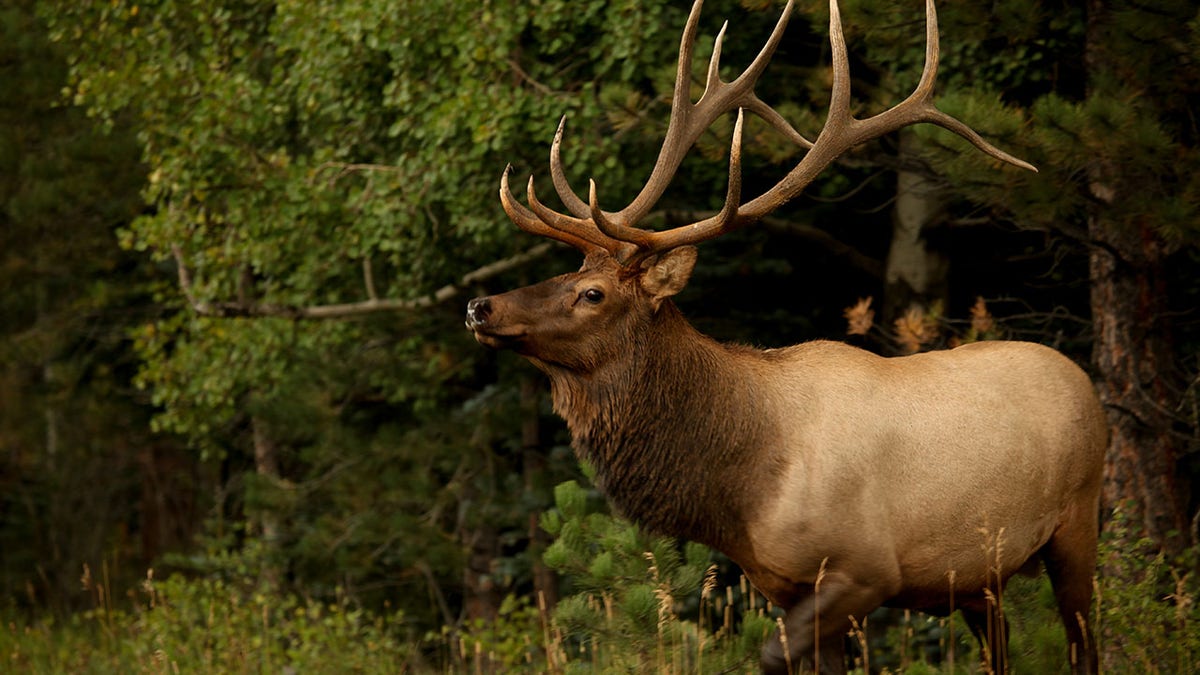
(991, 631)
(821, 618)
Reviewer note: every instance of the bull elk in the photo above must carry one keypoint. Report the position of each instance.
(840, 481)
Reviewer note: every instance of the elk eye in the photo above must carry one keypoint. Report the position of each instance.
(593, 295)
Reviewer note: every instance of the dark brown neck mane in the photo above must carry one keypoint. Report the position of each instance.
(672, 431)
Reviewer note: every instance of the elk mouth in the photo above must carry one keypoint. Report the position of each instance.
(496, 339)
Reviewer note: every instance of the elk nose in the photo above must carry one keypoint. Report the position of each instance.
(478, 311)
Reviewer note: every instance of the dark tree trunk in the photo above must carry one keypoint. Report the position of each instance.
(1134, 358)
(545, 581)
(169, 507)
(1133, 351)
(481, 600)
(480, 538)
(482, 594)
(266, 465)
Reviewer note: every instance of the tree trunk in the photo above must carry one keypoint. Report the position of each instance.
(545, 581)
(168, 508)
(915, 274)
(480, 539)
(266, 465)
(1133, 356)
(1133, 351)
(481, 593)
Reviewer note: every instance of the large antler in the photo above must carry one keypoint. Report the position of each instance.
(590, 228)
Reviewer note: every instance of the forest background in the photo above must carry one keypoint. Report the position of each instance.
(237, 238)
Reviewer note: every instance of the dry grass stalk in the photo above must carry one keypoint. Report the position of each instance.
(817, 614)
(706, 589)
(787, 653)
(951, 575)
(860, 633)
(993, 593)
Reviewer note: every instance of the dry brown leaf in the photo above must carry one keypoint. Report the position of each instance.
(981, 319)
(914, 329)
(860, 317)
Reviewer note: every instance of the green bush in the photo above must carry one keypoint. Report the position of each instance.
(210, 625)
(1146, 615)
(644, 603)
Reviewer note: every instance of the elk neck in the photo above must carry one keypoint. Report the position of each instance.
(677, 430)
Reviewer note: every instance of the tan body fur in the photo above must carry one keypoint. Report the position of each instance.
(900, 471)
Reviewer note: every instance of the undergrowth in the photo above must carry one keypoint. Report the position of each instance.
(207, 625)
(634, 604)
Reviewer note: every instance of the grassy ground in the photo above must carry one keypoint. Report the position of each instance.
(207, 626)
(639, 605)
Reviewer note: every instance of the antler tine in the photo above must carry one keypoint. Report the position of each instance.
(751, 100)
(681, 106)
(533, 224)
(924, 93)
(839, 98)
(572, 201)
(615, 230)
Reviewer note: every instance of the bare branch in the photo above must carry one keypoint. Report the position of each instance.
(350, 309)
(873, 267)
(343, 169)
(369, 278)
(185, 282)
(526, 77)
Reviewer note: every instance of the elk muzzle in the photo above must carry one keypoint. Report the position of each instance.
(491, 329)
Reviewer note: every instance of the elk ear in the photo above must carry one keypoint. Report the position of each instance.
(666, 274)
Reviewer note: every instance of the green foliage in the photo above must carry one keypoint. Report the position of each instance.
(1137, 113)
(1147, 616)
(73, 439)
(302, 155)
(510, 642)
(212, 625)
(633, 592)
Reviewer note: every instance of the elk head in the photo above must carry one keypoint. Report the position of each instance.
(581, 319)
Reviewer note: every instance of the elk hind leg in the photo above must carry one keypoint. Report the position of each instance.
(794, 648)
(787, 652)
(1070, 559)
